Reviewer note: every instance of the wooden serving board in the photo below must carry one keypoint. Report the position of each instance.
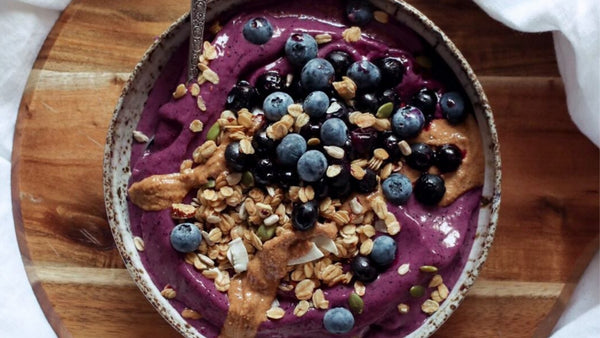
(550, 202)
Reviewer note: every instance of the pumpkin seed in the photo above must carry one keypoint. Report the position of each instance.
(385, 110)
(356, 303)
(213, 132)
(265, 233)
(417, 291)
(247, 179)
(210, 184)
(428, 268)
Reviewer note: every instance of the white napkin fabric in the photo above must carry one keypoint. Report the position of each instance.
(23, 26)
(25, 23)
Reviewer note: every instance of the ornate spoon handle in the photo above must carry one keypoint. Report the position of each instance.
(197, 22)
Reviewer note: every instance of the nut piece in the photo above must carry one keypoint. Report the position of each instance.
(351, 34)
(209, 51)
(381, 16)
(182, 211)
(404, 148)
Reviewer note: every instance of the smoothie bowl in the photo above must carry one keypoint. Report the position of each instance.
(333, 171)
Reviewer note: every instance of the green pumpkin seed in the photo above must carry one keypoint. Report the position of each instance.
(265, 233)
(356, 303)
(417, 291)
(247, 179)
(428, 268)
(213, 132)
(385, 110)
(210, 184)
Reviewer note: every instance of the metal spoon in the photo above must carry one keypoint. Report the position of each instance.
(197, 22)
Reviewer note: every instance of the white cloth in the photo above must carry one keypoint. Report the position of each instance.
(25, 23)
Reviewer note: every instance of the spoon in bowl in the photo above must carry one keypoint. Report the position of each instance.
(197, 22)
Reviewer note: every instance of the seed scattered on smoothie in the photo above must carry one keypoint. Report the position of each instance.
(318, 299)
(356, 303)
(403, 308)
(436, 281)
(209, 51)
(138, 242)
(323, 38)
(381, 16)
(275, 313)
(168, 292)
(428, 268)
(140, 137)
(180, 91)
(301, 308)
(417, 291)
(196, 126)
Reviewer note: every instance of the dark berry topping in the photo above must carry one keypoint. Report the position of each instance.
(264, 172)
(429, 189)
(388, 95)
(368, 183)
(262, 144)
(268, 83)
(367, 103)
(242, 95)
(288, 178)
(421, 156)
(235, 159)
(304, 216)
(340, 61)
(390, 144)
(359, 12)
(426, 101)
(448, 158)
(363, 269)
(392, 71)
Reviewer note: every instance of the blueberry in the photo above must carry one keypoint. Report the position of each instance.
(299, 48)
(453, 107)
(242, 95)
(363, 269)
(448, 158)
(368, 183)
(312, 166)
(365, 74)
(429, 189)
(263, 144)
(275, 105)
(367, 103)
(317, 74)
(390, 144)
(290, 149)
(388, 95)
(334, 132)
(269, 82)
(426, 101)
(321, 189)
(340, 61)
(185, 237)
(359, 12)
(397, 188)
(421, 156)
(363, 141)
(258, 31)
(316, 104)
(235, 159)
(392, 71)
(384, 251)
(305, 215)
(407, 122)
(338, 320)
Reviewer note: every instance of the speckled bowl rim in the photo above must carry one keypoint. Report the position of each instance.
(117, 154)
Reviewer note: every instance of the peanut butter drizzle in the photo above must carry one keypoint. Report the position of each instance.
(252, 293)
(159, 192)
(465, 136)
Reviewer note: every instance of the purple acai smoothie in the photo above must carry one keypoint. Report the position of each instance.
(439, 236)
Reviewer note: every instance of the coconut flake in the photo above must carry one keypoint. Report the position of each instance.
(313, 254)
(326, 244)
(237, 255)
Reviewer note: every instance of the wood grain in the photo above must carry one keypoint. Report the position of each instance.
(550, 202)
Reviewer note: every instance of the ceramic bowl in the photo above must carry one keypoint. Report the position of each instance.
(131, 103)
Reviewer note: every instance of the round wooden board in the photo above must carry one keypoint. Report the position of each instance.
(550, 197)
